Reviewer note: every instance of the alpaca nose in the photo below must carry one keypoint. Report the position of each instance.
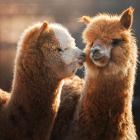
(97, 52)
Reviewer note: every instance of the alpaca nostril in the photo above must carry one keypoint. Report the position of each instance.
(96, 51)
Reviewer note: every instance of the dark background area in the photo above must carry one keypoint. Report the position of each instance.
(16, 15)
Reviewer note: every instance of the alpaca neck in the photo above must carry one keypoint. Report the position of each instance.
(106, 107)
(34, 101)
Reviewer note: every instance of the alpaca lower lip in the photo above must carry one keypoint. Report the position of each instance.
(100, 62)
(98, 57)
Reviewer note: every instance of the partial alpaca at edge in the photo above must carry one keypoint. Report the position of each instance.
(104, 107)
(46, 55)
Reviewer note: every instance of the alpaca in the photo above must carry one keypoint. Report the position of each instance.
(104, 110)
(46, 55)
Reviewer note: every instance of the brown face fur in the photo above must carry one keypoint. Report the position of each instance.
(113, 35)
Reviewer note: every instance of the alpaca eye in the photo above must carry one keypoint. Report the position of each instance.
(116, 42)
(66, 49)
(59, 50)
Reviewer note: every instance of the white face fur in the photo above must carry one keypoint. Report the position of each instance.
(70, 53)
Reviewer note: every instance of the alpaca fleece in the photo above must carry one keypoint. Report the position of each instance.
(104, 109)
(41, 65)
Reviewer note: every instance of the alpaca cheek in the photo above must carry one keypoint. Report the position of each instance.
(71, 55)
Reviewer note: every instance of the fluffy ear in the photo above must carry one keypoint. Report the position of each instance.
(43, 27)
(127, 18)
(85, 19)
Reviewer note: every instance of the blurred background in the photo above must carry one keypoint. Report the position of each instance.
(16, 15)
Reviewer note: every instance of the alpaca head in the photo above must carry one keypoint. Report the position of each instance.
(56, 47)
(110, 46)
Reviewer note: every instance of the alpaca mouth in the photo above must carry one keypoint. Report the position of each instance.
(99, 56)
(81, 59)
(100, 61)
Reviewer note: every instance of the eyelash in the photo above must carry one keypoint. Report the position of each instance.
(116, 42)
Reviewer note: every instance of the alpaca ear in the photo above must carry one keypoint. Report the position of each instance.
(127, 18)
(85, 19)
(43, 27)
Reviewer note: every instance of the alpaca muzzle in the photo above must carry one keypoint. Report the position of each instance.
(99, 54)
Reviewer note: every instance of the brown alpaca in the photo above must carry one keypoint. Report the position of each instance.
(46, 55)
(104, 111)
